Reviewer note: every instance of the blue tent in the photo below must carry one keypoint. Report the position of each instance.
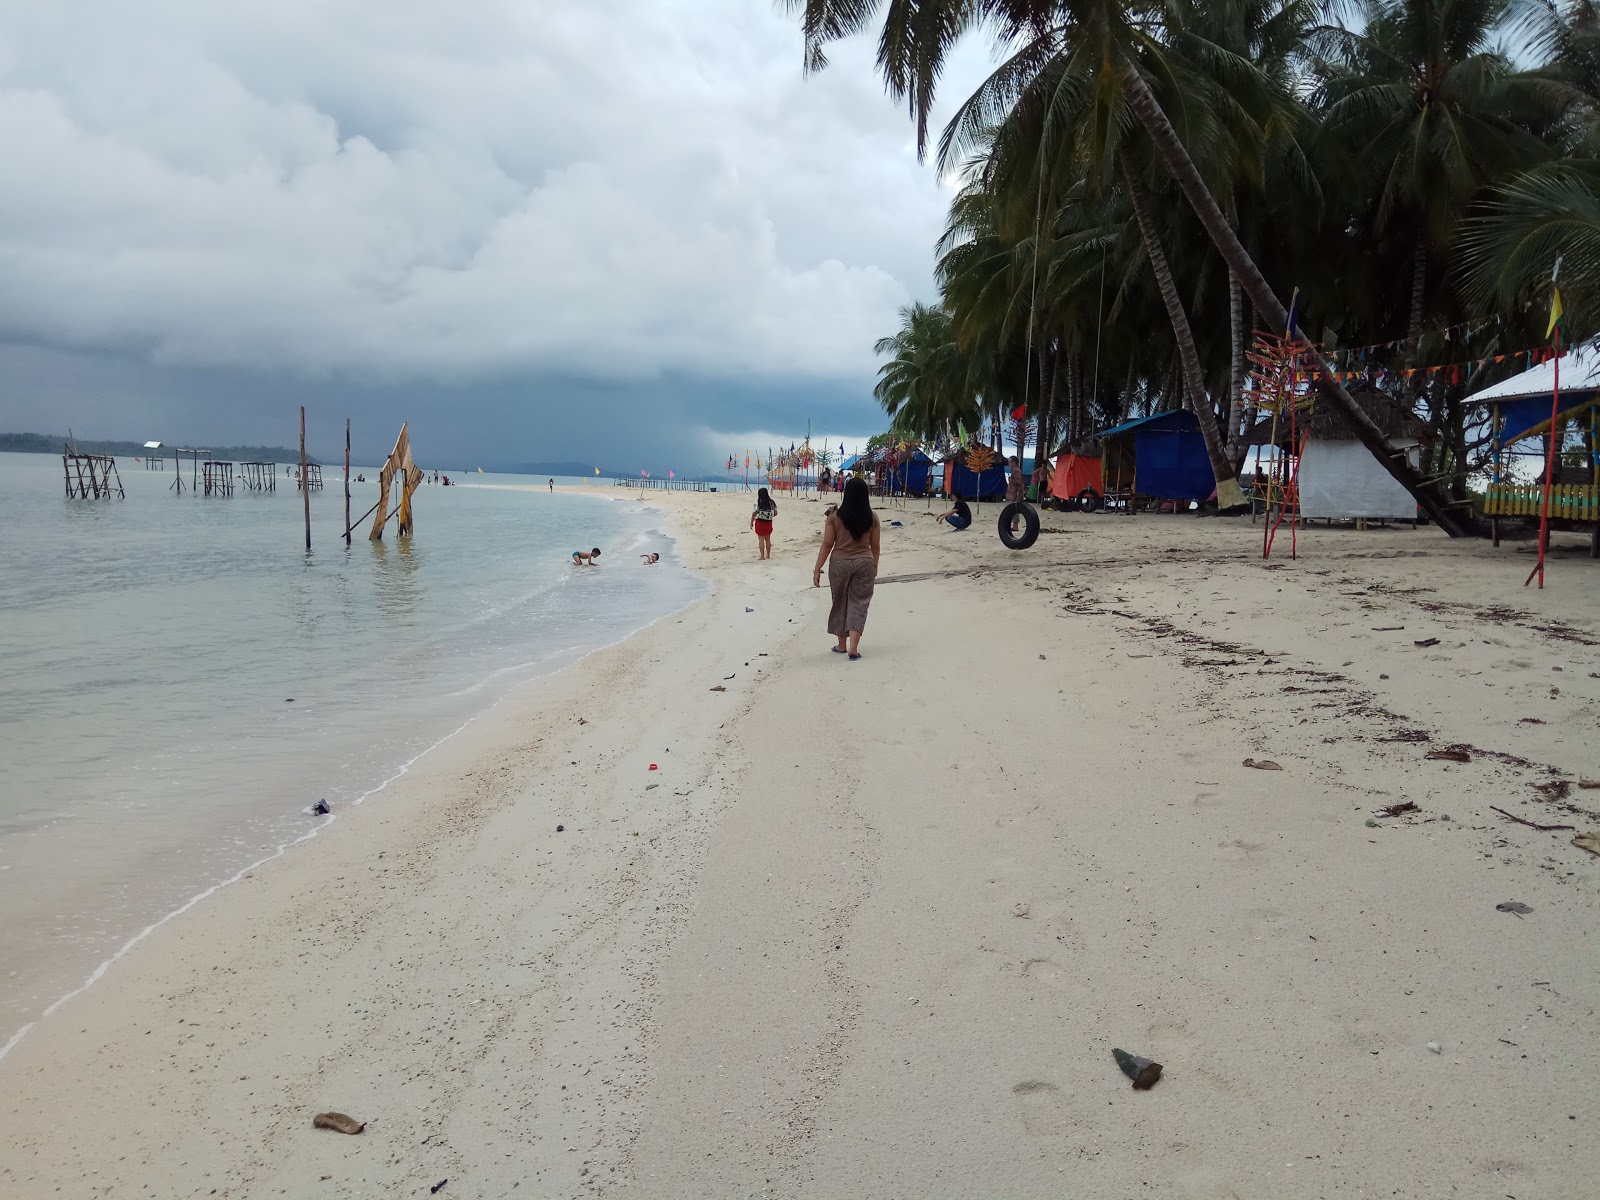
(910, 475)
(1167, 460)
(989, 485)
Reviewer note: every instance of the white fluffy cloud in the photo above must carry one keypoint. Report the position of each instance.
(383, 189)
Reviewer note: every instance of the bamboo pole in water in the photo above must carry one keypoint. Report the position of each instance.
(347, 481)
(305, 492)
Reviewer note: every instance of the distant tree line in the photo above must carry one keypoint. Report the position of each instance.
(1145, 185)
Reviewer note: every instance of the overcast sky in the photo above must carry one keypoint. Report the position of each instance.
(620, 231)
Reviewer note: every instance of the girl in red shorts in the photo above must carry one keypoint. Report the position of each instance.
(761, 521)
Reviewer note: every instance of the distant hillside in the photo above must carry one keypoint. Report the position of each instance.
(46, 443)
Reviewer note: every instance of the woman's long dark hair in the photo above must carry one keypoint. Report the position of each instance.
(855, 511)
(765, 501)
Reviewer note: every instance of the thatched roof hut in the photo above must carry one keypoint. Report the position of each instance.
(1322, 422)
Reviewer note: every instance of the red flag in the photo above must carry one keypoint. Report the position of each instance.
(1019, 413)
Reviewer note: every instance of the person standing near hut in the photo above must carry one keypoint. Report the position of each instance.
(766, 512)
(1017, 484)
(850, 549)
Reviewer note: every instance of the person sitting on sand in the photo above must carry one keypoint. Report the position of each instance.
(585, 558)
(850, 549)
(959, 517)
(650, 559)
(766, 511)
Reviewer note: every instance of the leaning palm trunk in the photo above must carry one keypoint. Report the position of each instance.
(1228, 493)
(1426, 492)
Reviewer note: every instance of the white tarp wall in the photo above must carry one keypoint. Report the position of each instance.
(1342, 481)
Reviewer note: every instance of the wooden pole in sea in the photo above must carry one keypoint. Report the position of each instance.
(347, 481)
(305, 492)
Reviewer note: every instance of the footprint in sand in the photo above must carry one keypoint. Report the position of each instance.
(1044, 1111)
(1165, 1034)
(1240, 850)
(1264, 921)
(1044, 972)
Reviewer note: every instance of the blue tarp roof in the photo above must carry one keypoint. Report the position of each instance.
(1184, 418)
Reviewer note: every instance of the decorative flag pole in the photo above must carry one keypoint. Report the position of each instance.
(1552, 455)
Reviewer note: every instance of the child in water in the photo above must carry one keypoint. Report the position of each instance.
(651, 559)
(585, 558)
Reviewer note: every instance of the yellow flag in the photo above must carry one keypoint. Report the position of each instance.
(1555, 312)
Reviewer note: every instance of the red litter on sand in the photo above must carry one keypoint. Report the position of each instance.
(653, 766)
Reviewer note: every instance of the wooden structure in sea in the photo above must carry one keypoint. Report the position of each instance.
(258, 476)
(154, 457)
(398, 467)
(91, 476)
(194, 468)
(217, 477)
(311, 479)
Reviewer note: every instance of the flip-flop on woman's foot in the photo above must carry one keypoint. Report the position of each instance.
(853, 657)
(837, 649)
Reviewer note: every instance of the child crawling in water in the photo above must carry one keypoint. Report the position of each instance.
(585, 558)
(651, 559)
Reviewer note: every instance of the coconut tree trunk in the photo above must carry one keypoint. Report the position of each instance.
(1419, 279)
(1235, 371)
(1145, 107)
(1228, 493)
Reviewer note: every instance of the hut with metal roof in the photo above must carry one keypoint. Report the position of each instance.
(1520, 411)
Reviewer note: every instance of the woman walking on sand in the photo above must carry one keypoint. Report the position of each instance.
(761, 521)
(850, 548)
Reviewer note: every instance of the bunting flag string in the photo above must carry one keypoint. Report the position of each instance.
(1457, 372)
(1447, 332)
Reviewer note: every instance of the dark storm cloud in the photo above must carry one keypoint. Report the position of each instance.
(587, 229)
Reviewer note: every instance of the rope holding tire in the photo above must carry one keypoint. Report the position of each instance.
(1013, 538)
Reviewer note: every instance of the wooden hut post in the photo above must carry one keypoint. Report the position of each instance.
(305, 492)
(347, 481)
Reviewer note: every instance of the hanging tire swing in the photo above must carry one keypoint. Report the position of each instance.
(1028, 517)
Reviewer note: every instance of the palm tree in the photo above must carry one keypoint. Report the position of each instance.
(1427, 107)
(925, 386)
(1510, 245)
(1122, 47)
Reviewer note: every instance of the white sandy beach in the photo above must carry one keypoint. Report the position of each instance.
(872, 929)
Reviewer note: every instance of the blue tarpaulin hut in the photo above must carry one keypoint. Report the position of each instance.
(911, 474)
(1162, 456)
(974, 485)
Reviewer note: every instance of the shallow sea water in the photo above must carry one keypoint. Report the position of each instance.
(150, 649)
